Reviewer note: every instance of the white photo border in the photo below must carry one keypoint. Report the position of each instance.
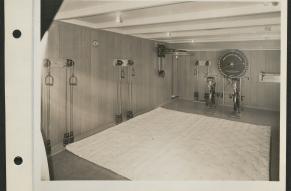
(22, 97)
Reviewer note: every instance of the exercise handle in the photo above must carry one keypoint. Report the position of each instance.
(73, 80)
(49, 80)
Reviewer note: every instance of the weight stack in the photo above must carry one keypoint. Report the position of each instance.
(129, 114)
(66, 139)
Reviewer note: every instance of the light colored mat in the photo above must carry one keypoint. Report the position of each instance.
(171, 145)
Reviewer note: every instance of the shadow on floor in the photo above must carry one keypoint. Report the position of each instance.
(67, 166)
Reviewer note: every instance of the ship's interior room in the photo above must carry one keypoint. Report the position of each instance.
(162, 90)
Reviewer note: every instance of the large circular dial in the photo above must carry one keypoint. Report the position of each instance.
(233, 64)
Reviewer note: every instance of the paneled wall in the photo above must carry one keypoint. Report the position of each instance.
(257, 94)
(95, 94)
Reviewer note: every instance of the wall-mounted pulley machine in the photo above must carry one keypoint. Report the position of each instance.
(46, 119)
(71, 82)
(162, 50)
(48, 82)
(126, 72)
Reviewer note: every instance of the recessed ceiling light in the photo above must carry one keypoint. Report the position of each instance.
(192, 41)
(169, 34)
(118, 18)
(275, 3)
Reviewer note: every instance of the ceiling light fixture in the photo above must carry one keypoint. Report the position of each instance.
(169, 34)
(118, 18)
(275, 3)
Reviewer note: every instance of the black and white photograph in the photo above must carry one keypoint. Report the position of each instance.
(135, 95)
(162, 90)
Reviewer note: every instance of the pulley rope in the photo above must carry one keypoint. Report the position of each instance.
(120, 89)
(71, 100)
(132, 74)
(66, 100)
(48, 81)
(48, 106)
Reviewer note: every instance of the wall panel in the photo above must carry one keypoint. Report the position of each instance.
(257, 94)
(95, 94)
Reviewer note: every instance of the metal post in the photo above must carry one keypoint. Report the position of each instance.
(223, 90)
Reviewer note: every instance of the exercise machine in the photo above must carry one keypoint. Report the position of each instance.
(236, 95)
(125, 66)
(121, 76)
(233, 66)
(162, 50)
(211, 95)
(119, 63)
(161, 54)
(71, 82)
(131, 75)
(48, 83)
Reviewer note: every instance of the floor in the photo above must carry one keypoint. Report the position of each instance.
(67, 166)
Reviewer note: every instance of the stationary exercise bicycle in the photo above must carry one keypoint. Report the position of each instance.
(236, 98)
(210, 100)
(233, 66)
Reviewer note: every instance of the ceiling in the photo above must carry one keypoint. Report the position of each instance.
(178, 22)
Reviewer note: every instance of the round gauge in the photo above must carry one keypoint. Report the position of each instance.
(233, 64)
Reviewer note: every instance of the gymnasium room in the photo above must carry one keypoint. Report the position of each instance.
(162, 90)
